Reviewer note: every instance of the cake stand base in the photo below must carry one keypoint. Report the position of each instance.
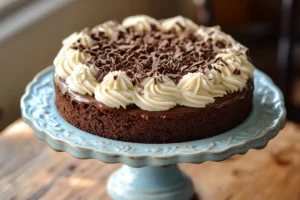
(150, 183)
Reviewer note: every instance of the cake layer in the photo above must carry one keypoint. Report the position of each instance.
(178, 124)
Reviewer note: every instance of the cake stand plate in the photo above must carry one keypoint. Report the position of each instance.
(150, 171)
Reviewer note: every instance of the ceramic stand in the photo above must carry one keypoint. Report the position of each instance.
(150, 171)
(149, 183)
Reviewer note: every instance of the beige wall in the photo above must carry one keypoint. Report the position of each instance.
(28, 52)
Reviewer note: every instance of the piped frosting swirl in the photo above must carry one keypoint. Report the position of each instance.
(195, 90)
(156, 94)
(141, 23)
(115, 91)
(109, 28)
(81, 37)
(82, 80)
(235, 70)
(178, 24)
(67, 60)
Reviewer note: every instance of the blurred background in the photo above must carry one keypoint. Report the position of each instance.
(31, 32)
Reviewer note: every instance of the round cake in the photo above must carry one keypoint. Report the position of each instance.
(153, 81)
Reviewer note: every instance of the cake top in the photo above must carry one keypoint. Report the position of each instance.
(153, 64)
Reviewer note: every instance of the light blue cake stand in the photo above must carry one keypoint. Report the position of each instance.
(150, 171)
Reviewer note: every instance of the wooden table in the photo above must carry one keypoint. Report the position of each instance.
(30, 169)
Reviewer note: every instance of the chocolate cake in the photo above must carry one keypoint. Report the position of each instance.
(152, 81)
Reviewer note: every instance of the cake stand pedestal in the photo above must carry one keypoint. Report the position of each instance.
(150, 171)
(150, 183)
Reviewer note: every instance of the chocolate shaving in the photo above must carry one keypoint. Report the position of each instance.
(181, 27)
(153, 53)
(160, 79)
(94, 37)
(129, 73)
(220, 44)
(175, 77)
(100, 76)
(81, 47)
(211, 33)
(75, 48)
(198, 63)
(218, 70)
(222, 61)
(248, 55)
(217, 60)
(92, 53)
(237, 72)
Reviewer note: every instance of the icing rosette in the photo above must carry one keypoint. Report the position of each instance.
(217, 36)
(68, 58)
(178, 23)
(66, 61)
(217, 90)
(195, 90)
(82, 80)
(81, 37)
(235, 70)
(156, 94)
(141, 23)
(109, 28)
(115, 90)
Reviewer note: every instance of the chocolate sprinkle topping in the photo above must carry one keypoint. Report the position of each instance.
(218, 70)
(146, 54)
(237, 72)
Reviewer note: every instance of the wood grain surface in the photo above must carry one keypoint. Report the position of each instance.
(30, 169)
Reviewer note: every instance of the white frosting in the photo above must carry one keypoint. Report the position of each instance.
(141, 23)
(215, 34)
(84, 38)
(62, 53)
(195, 90)
(156, 95)
(67, 59)
(172, 23)
(109, 27)
(234, 82)
(218, 90)
(82, 80)
(115, 90)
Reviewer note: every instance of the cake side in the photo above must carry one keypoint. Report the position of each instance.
(179, 124)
